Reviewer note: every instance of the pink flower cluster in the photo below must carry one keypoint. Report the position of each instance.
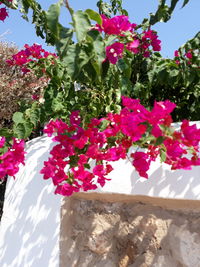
(70, 165)
(188, 57)
(136, 43)
(3, 12)
(29, 54)
(10, 160)
(115, 26)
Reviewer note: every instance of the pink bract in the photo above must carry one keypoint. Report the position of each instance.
(3, 13)
(133, 46)
(115, 26)
(11, 160)
(114, 52)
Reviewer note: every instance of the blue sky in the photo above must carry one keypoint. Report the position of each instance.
(185, 23)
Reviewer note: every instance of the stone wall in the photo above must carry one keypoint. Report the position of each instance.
(120, 230)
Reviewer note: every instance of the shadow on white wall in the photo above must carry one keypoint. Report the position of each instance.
(29, 232)
(162, 182)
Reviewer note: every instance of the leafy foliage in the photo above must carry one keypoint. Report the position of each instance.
(115, 7)
(164, 11)
(100, 85)
(16, 89)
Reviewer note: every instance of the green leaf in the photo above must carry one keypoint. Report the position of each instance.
(18, 117)
(77, 57)
(104, 125)
(117, 108)
(28, 129)
(163, 155)
(94, 16)
(65, 38)
(173, 73)
(125, 85)
(34, 116)
(4, 149)
(98, 51)
(185, 2)
(121, 64)
(19, 130)
(109, 40)
(173, 4)
(87, 166)
(73, 160)
(118, 95)
(23, 130)
(71, 58)
(13, 4)
(81, 25)
(98, 44)
(159, 140)
(52, 16)
(6, 132)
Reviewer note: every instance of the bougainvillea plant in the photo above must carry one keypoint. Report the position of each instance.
(109, 139)
(90, 104)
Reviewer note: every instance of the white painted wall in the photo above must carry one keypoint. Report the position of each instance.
(162, 182)
(30, 225)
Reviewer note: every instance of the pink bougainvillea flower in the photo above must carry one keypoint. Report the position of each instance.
(114, 52)
(83, 159)
(191, 135)
(145, 45)
(153, 152)
(121, 23)
(156, 44)
(101, 171)
(30, 53)
(10, 161)
(35, 97)
(182, 163)
(92, 151)
(174, 149)
(75, 118)
(134, 104)
(35, 50)
(188, 55)
(133, 46)
(2, 141)
(176, 53)
(66, 189)
(156, 131)
(21, 58)
(115, 153)
(134, 25)
(160, 111)
(81, 142)
(195, 161)
(141, 163)
(49, 169)
(3, 13)
(151, 38)
(115, 25)
(146, 54)
(57, 125)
